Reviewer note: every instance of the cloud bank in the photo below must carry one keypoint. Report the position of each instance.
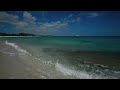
(29, 23)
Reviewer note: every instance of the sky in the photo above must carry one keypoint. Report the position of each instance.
(61, 23)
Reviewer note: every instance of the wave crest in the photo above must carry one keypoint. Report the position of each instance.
(78, 74)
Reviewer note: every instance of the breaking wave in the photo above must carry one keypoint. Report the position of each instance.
(80, 74)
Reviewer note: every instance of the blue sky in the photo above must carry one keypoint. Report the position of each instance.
(61, 23)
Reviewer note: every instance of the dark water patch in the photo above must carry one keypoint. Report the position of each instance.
(86, 41)
(110, 59)
(76, 58)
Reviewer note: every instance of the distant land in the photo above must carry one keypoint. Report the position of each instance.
(20, 34)
(27, 34)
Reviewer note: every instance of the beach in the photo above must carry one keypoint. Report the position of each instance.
(59, 58)
(13, 66)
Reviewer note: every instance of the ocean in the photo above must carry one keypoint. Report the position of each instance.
(68, 56)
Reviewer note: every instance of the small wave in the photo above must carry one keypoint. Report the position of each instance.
(78, 74)
(19, 49)
(100, 65)
(11, 54)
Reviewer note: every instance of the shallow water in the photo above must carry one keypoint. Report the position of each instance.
(77, 57)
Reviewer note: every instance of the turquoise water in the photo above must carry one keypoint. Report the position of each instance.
(99, 56)
(110, 44)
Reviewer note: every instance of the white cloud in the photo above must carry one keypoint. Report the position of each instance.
(52, 25)
(29, 18)
(50, 28)
(12, 19)
(92, 15)
(71, 20)
(8, 18)
(21, 24)
(29, 24)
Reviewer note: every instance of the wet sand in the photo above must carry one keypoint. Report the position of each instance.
(22, 67)
(15, 66)
(11, 66)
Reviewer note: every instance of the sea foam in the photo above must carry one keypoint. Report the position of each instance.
(11, 54)
(78, 74)
(19, 49)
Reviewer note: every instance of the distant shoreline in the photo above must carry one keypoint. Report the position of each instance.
(17, 36)
(58, 36)
(20, 34)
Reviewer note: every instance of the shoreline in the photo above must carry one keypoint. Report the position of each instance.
(10, 66)
(28, 66)
(25, 67)
(19, 36)
(14, 67)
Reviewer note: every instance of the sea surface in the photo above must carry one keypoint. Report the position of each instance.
(72, 56)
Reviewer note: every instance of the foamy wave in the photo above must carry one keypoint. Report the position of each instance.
(78, 74)
(19, 49)
(11, 54)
